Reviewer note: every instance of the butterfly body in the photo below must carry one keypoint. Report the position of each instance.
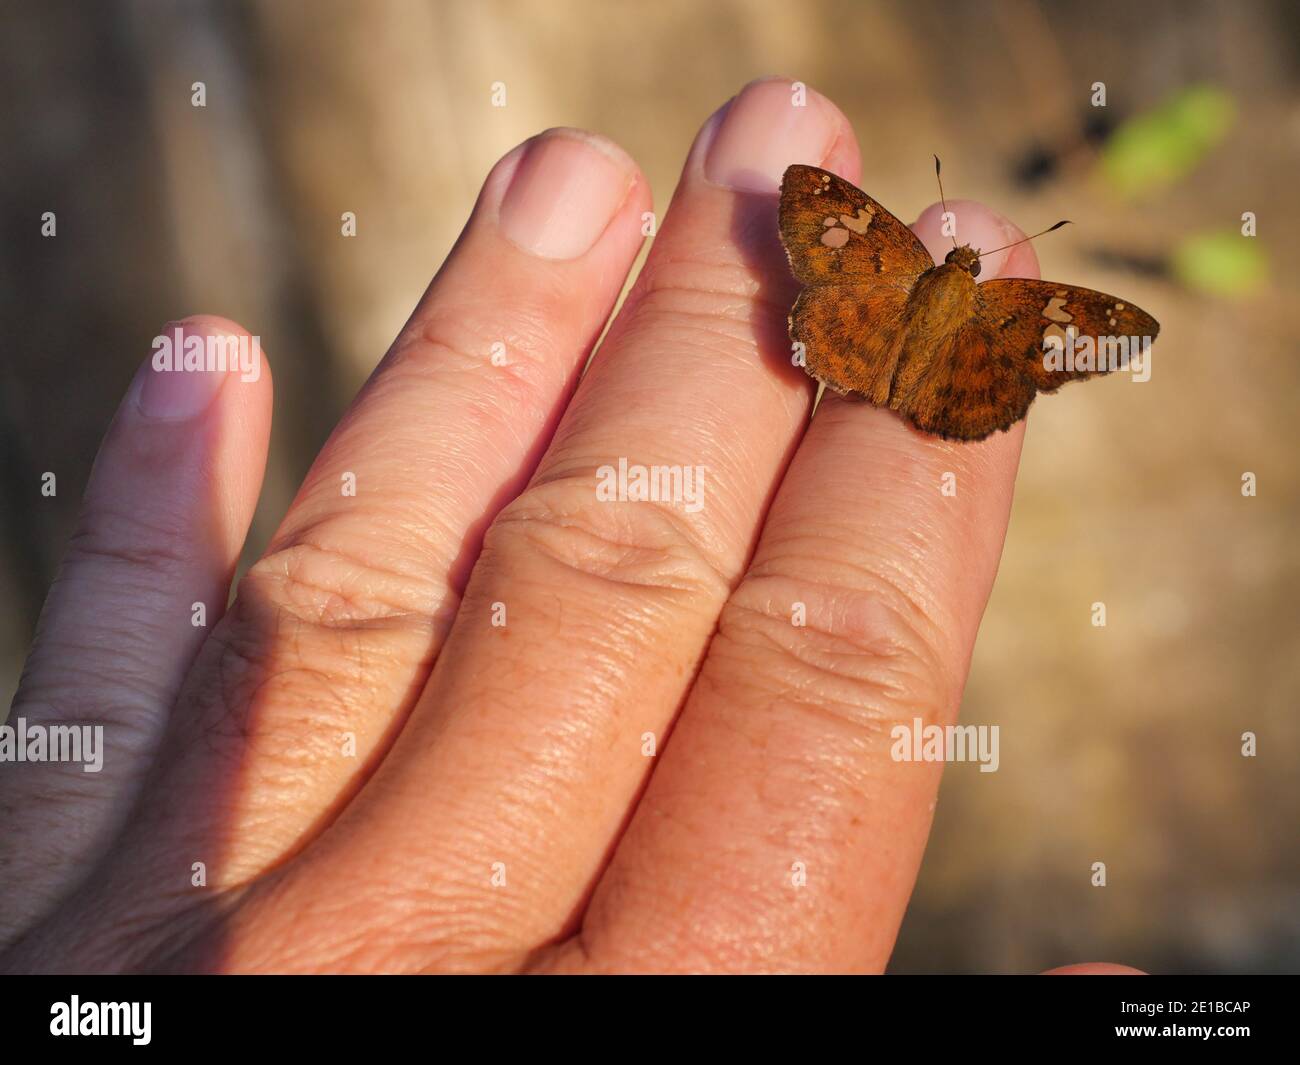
(941, 301)
(877, 319)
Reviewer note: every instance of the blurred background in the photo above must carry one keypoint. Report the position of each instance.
(1119, 744)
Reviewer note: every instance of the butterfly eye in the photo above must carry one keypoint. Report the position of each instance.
(975, 268)
(950, 256)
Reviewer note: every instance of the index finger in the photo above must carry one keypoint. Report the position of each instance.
(778, 833)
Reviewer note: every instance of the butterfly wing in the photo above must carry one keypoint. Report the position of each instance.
(834, 233)
(859, 263)
(1031, 317)
(988, 373)
(970, 391)
(850, 336)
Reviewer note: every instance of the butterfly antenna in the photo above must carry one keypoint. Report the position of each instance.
(1049, 229)
(942, 201)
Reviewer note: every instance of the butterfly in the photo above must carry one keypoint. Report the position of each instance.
(877, 318)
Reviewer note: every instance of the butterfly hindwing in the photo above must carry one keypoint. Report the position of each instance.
(849, 335)
(971, 389)
(834, 233)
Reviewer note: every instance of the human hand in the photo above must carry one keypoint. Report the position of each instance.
(432, 730)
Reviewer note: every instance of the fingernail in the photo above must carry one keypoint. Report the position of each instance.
(972, 223)
(175, 381)
(984, 228)
(771, 124)
(567, 188)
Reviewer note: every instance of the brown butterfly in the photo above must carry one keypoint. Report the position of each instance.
(878, 319)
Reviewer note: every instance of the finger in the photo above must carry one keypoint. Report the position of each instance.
(348, 609)
(145, 576)
(332, 634)
(777, 833)
(1094, 968)
(587, 614)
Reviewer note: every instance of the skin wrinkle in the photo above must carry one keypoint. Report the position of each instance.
(387, 531)
(402, 501)
(84, 660)
(836, 572)
(88, 547)
(780, 673)
(228, 714)
(619, 577)
(515, 384)
(437, 918)
(126, 639)
(713, 330)
(319, 586)
(162, 921)
(553, 508)
(731, 476)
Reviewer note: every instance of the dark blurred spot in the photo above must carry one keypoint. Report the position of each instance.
(1156, 266)
(1040, 161)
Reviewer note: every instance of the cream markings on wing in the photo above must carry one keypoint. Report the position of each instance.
(1056, 314)
(1055, 310)
(859, 222)
(835, 237)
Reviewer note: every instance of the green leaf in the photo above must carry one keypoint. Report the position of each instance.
(1222, 263)
(1154, 150)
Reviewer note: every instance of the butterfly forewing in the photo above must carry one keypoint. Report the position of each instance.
(836, 234)
(1039, 323)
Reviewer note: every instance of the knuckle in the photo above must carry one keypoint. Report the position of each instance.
(254, 657)
(333, 587)
(514, 353)
(644, 545)
(709, 297)
(709, 291)
(279, 695)
(866, 657)
(322, 637)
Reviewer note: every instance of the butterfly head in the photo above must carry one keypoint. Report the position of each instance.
(966, 258)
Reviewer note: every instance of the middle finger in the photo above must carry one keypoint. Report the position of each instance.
(590, 608)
